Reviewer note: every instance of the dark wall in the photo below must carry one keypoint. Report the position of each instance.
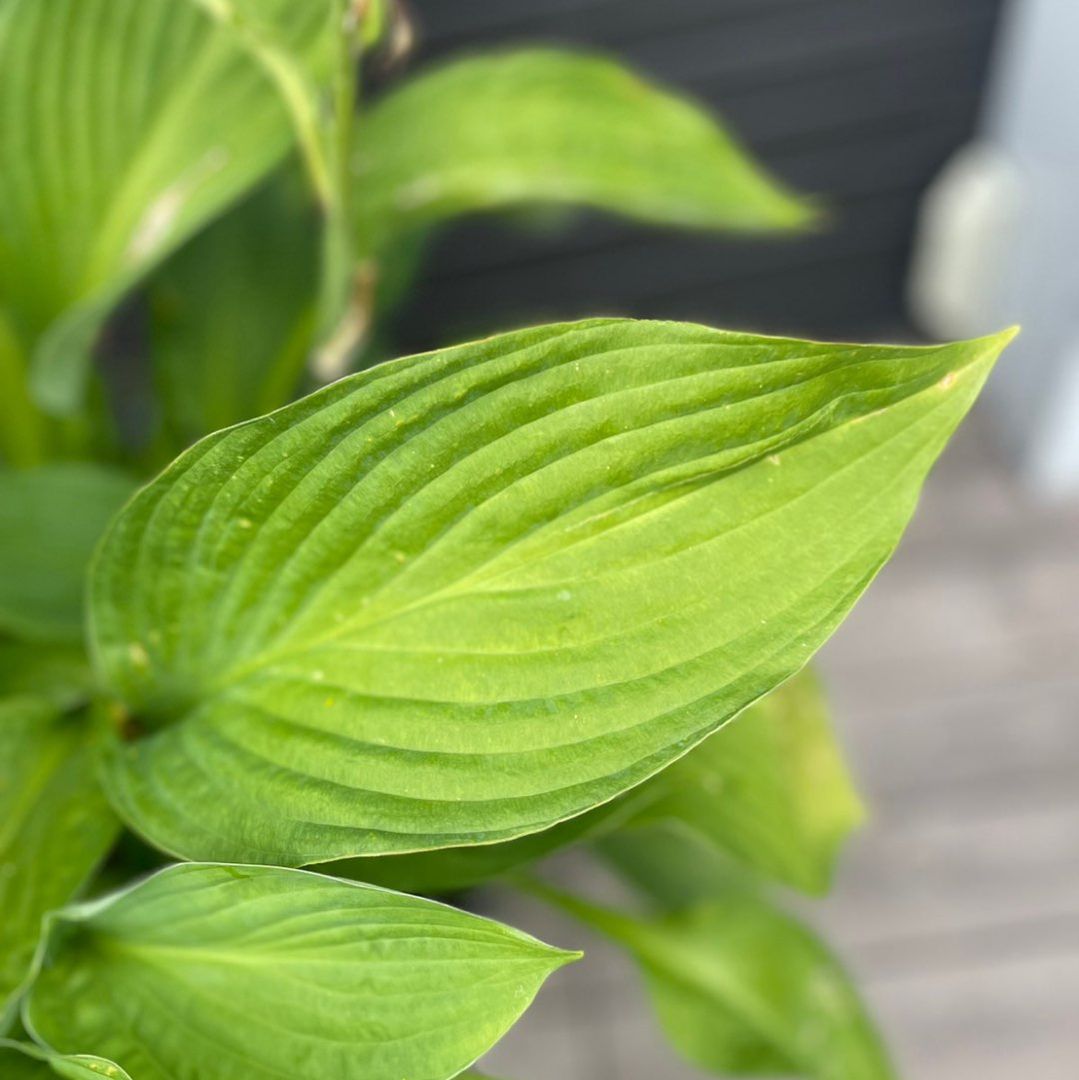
(861, 101)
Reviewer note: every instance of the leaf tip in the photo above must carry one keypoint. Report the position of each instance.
(557, 958)
(995, 344)
(978, 356)
(992, 345)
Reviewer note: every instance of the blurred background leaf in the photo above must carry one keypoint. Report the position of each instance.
(232, 313)
(740, 988)
(771, 788)
(130, 124)
(541, 125)
(50, 520)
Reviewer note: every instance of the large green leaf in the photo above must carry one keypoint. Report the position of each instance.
(25, 1061)
(743, 990)
(55, 827)
(466, 595)
(771, 788)
(50, 520)
(221, 971)
(127, 124)
(542, 125)
(233, 313)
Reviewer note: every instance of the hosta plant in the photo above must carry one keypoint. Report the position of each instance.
(266, 711)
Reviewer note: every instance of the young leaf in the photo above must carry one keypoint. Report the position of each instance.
(464, 596)
(55, 827)
(771, 788)
(743, 990)
(233, 312)
(127, 125)
(542, 125)
(221, 971)
(50, 520)
(25, 1061)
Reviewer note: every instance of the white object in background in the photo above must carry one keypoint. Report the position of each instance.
(966, 228)
(999, 241)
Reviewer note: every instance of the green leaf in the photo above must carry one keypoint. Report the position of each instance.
(543, 125)
(743, 990)
(674, 866)
(50, 520)
(55, 827)
(771, 788)
(24, 1061)
(221, 971)
(466, 595)
(232, 313)
(128, 124)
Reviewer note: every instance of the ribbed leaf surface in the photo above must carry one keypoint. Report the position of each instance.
(220, 972)
(465, 595)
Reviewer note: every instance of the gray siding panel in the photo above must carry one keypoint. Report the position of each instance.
(859, 101)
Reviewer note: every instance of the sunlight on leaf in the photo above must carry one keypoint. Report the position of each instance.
(464, 596)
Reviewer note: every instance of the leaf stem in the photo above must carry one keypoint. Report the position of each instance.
(343, 299)
(297, 90)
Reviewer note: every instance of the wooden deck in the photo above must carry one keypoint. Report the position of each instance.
(956, 689)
